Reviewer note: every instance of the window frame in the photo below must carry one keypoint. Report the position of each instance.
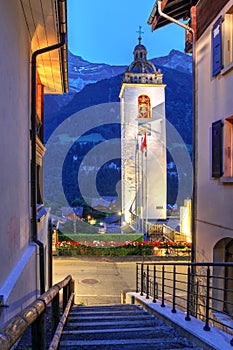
(228, 147)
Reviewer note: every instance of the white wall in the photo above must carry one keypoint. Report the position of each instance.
(156, 149)
(214, 199)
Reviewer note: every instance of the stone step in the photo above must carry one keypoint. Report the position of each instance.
(119, 327)
(120, 333)
(111, 324)
(117, 344)
(107, 307)
(109, 318)
(106, 313)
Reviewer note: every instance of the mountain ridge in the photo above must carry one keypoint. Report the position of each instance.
(93, 84)
(107, 88)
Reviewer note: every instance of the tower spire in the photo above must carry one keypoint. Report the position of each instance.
(140, 34)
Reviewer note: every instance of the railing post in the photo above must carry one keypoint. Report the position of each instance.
(196, 299)
(163, 275)
(136, 278)
(154, 284)
(187, 318)
(174, 291)
(55, 313)
(72, 289)
(39, 333)
(147, 282)
(141, 279)
(65, 296)
(207, 309)
(50, 254)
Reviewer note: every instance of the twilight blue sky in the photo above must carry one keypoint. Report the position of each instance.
(105, 31)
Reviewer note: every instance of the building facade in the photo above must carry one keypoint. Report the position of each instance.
(213, 138)
(143, 141)
(212, 25)
(26, 27)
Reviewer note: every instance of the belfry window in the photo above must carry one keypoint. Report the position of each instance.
(144, 107)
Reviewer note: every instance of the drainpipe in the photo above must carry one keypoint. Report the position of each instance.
(33, 156)
(162, 14)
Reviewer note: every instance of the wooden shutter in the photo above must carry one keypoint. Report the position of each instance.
(217, 47)
(217, 149)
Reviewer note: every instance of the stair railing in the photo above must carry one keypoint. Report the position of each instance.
(34, 315)
(200, 290)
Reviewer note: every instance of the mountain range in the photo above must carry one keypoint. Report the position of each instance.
(93, 83)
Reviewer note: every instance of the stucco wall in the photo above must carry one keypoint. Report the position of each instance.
(18, 259)
(214, 102)
(14, 136)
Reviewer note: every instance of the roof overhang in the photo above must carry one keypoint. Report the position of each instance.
(177, 9)
(46, 20)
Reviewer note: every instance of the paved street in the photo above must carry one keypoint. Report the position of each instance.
(97, 280)
(100, 280)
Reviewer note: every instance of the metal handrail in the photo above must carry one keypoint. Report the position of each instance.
(34, 315)
(201, 290)
(57, 335)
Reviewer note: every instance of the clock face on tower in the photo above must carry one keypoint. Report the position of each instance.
(144, 107)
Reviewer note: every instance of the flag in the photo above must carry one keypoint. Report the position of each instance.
(143, 143)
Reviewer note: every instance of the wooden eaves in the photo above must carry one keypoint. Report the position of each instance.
(177, 9)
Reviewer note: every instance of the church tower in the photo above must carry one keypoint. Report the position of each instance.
(143, 142)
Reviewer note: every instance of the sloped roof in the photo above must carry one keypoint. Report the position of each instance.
(177, 9)
(46, 20)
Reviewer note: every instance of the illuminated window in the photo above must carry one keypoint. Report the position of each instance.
(228, 38)
(40, 148)
(222, 43)
(40, 109)
(228, 147)
(144, 107)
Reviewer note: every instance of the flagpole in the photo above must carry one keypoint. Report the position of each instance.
(138, 190)
(144, 182)
(136, 184)
(146, 189)
(142, 188)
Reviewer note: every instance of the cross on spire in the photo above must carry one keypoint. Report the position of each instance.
(140, 34)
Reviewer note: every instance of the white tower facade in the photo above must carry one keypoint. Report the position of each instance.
(143, 141)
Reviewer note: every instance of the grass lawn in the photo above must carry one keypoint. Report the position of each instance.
(106, 237)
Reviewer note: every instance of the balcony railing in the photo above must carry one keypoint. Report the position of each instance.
(201, 290)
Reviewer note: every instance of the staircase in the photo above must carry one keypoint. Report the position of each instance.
(122, 326)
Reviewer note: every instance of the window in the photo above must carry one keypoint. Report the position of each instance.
(40, 148)
(228, 147)
(222, 44)
(228, 38)
(144, 107)
(40, 109)
(222, 150)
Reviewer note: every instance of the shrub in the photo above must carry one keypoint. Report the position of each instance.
(114, 248)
